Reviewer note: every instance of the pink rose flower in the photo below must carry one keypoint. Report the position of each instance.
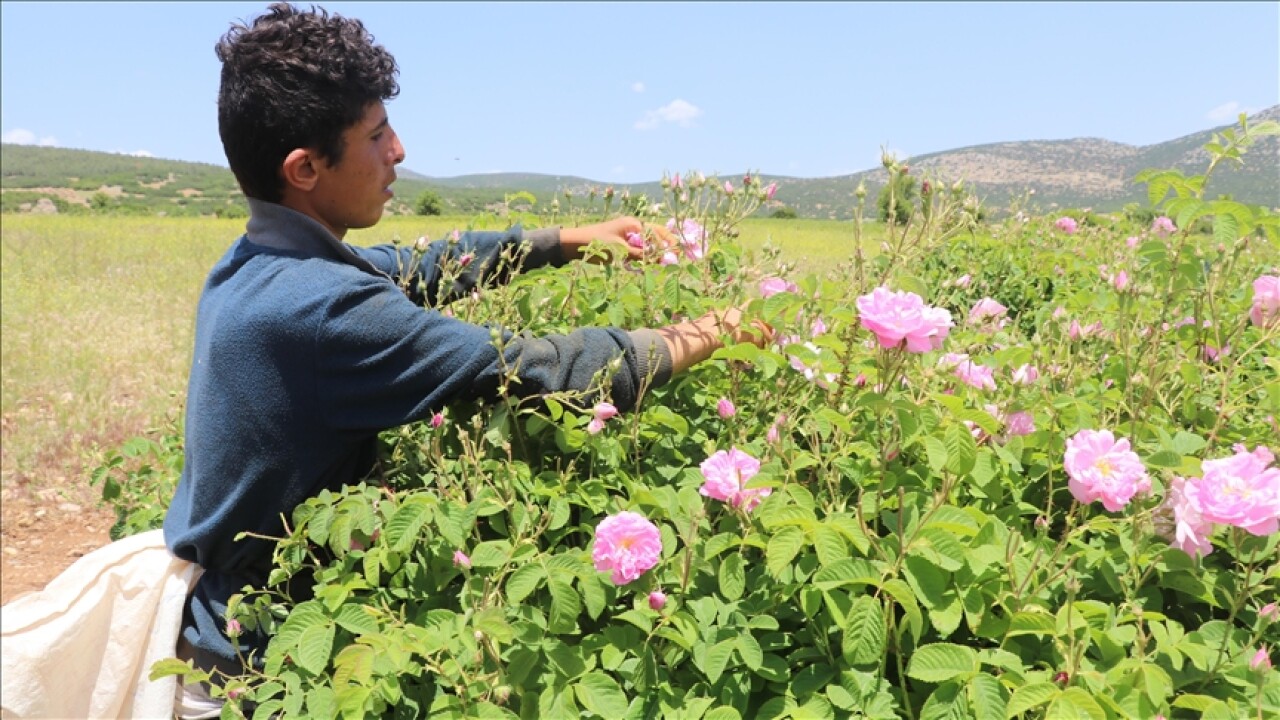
(657, 600)
(1103, 468)
(985, 309)
(1163, 226)
(1191, 530)
(1132, 242)
(601, 412)
(1242, 491)
(436, 420)
(627, 545)
(817, 327)
(728, 187)
(725, 476)
(897, 317)
(1067, 225)
(1020, 423)
(976, 376)
(1266, 301)
(692, 236)
(461, 560)
(635, 240)
(1025, 375)
(771, 286)
(726, 408)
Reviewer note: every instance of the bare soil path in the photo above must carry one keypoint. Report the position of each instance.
(43, 531)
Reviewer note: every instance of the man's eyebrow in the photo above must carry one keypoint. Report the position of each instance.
(385, 120)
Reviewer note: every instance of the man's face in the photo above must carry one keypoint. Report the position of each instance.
(352, 193)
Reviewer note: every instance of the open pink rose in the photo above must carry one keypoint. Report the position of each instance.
(898, 317)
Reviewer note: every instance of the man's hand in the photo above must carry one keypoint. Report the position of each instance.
(621, 235)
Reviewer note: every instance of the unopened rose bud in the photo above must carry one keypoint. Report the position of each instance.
(1062, 678)
(770, 190)
(728, 188)
(233, 628)
(422, 244)
(861, 192)
(461, 560)
(657, 600)
(726, 408)
(466, 259)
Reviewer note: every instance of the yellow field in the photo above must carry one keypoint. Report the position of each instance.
(97, 316)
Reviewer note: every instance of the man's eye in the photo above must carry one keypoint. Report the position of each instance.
(377, 136)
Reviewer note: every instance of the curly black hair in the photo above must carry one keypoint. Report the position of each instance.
(295, 79)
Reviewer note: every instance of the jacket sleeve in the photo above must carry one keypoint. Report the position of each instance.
(382, 361)
(495, 257)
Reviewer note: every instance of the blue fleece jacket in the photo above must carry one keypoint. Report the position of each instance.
(306, 348)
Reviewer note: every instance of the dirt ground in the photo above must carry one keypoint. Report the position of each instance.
(44, 532)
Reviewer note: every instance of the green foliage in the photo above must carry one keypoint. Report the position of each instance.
(783, 213)
(914, 557)
(897, 199)
(428, 203)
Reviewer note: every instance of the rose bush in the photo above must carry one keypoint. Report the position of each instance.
(867, 534)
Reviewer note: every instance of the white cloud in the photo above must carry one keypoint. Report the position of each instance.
(19, 136)
(1228, 112)
(677, 111)
(637, 87)
(140, 153)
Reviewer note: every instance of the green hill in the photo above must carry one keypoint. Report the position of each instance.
(1076, 173)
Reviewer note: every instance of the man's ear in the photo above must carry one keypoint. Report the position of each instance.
(299, 170)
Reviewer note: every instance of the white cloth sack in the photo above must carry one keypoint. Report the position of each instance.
(83, 647)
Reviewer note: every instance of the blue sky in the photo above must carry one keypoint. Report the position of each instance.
(623, 92)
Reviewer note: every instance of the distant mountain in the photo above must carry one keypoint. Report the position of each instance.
(1078, 173)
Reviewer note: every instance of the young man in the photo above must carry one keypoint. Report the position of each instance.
(306, 347)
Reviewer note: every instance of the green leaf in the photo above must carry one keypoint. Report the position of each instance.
(356, 619)
(901, 592)
(716, 659)
(941, 662)
(749, 650)
(354, 663)
(987, 697)
(1029, 623)
(1075, 703)
(733, 579)
(1199, 703)
(314, 648)
(492, 622)
(171, 666)
(830, 545)
(1030, 696)
(936, 451)
(864, 632)
(782, 549)
(600, 694)
(962, 450)
(403, 527)
(524, 581)
(723, 712)
(946, 703)
(565, 605)
(928, 582)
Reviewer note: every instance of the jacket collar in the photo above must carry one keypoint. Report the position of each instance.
(276, 226)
